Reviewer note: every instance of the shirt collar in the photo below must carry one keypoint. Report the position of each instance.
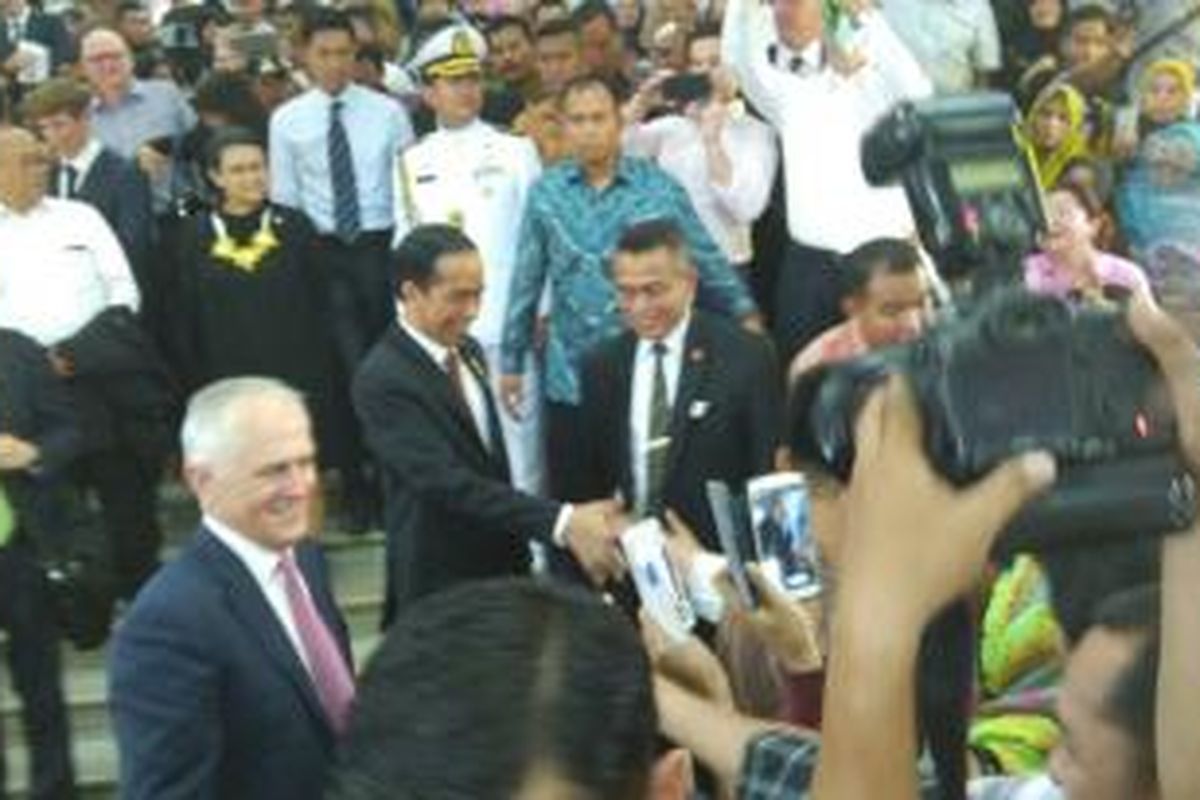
(86, 157)
(673, 340)
(434, 350)
(261, 561)
(624, 171)
(135, 94)
(346, 95)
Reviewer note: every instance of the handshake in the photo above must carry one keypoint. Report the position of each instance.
(593, 535)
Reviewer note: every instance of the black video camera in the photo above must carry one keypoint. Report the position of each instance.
(1022, 373)
(972, 189)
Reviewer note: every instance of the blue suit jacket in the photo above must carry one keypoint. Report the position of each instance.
(208, 695)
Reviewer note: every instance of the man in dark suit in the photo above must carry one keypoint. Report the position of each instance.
(39, 435)
(21, 23)
(230, 675)
(88, 171)
(428, 416)
(681, 397)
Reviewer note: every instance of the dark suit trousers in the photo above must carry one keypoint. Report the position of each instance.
(362, 303)
(806, 298)
(127, 489)
(33, 659)
(564, 445)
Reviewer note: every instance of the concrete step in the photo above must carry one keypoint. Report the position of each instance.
(356, 566)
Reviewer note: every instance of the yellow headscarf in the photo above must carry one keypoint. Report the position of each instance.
(1075, 144)
(1178, 69)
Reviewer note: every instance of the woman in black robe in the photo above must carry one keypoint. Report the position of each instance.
(251, 298)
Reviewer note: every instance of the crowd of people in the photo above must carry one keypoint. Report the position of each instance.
(501, 278)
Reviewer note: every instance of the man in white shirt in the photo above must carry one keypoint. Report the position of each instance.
(822, 101)
(724, 158)
(65, 282)
(230, 675)
(955, 41)
(470, 175)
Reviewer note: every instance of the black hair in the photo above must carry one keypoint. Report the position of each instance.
(707, 29)
(1091, 12)
(476, 685)
(320, 19)
(884, 256)
(232, 95)
(587, 82)
(503, 21)
(1082, 577)
(224, 138)
(1130, 704)
(589, 10)
(416, 257)
(557, 27)
(371, 54)
(650, 235)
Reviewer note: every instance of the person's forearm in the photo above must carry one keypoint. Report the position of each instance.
(1179, 670)
(868, 745)
(717, 736)
(720, 168)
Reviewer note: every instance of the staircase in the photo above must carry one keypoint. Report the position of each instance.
(356, 563)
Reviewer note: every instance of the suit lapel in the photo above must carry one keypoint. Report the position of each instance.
(474, 361)
(693, 377)
(623, 410)
(250, 606)
(439, 383)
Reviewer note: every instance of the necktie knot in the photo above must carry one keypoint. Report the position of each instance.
(659, 349)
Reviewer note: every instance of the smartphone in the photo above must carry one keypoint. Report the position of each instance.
(658, 585)
(781, 520)
(687, 88)
(731, 530)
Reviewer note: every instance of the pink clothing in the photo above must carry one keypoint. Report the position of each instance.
(842, 342)
(1043, 275)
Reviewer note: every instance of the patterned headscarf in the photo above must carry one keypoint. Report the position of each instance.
(1178, 69)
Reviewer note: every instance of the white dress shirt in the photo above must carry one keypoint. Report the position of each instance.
(60, 265)
(675, 143)
(476, 402)
(377, 128)
(821, 116)
(263, 564)
(474, 178)
(641, 393)
(82, 162)
(954, 40)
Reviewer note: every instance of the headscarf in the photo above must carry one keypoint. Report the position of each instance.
(1178, 69)
(1076, 142)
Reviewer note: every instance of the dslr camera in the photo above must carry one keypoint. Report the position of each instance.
(1020, 373)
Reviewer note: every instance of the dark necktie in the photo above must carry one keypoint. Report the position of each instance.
(452, 366)
(71, 180)
(346, 222)
(330, 674)
(658, 433)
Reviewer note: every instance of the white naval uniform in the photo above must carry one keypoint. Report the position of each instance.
(477, 178)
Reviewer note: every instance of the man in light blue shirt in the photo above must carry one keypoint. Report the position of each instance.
(333, 152)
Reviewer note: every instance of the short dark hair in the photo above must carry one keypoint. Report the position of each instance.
(320, 19)
(884, 256)
(416, 257)
(588, 82)
(557, 27)
(1130, 704)
(474, 686)
(1091, 12)
(232, 95)
(589, 10)
(707, 29)
(650, 235)
(502, 21)
(226, 137)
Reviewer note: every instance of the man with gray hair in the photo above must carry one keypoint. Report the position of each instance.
(230, 676)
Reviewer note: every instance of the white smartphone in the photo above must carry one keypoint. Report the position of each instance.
(658, 586)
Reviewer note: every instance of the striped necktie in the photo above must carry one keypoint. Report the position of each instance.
(346, 221)
(658, 433)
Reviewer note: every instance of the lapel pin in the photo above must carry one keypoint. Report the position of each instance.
(696, 355)
(698, 409)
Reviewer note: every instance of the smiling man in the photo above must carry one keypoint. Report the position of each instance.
(681, 397)
(230, 675)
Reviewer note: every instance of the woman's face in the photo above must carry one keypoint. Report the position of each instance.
(1165, 99)
(1045, 15)
(1051, 124)
(1069, 228)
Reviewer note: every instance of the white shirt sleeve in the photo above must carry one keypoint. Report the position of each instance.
(744, 50)
(901, 76)
(987, 56)
(112, 266)
(751, 148)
